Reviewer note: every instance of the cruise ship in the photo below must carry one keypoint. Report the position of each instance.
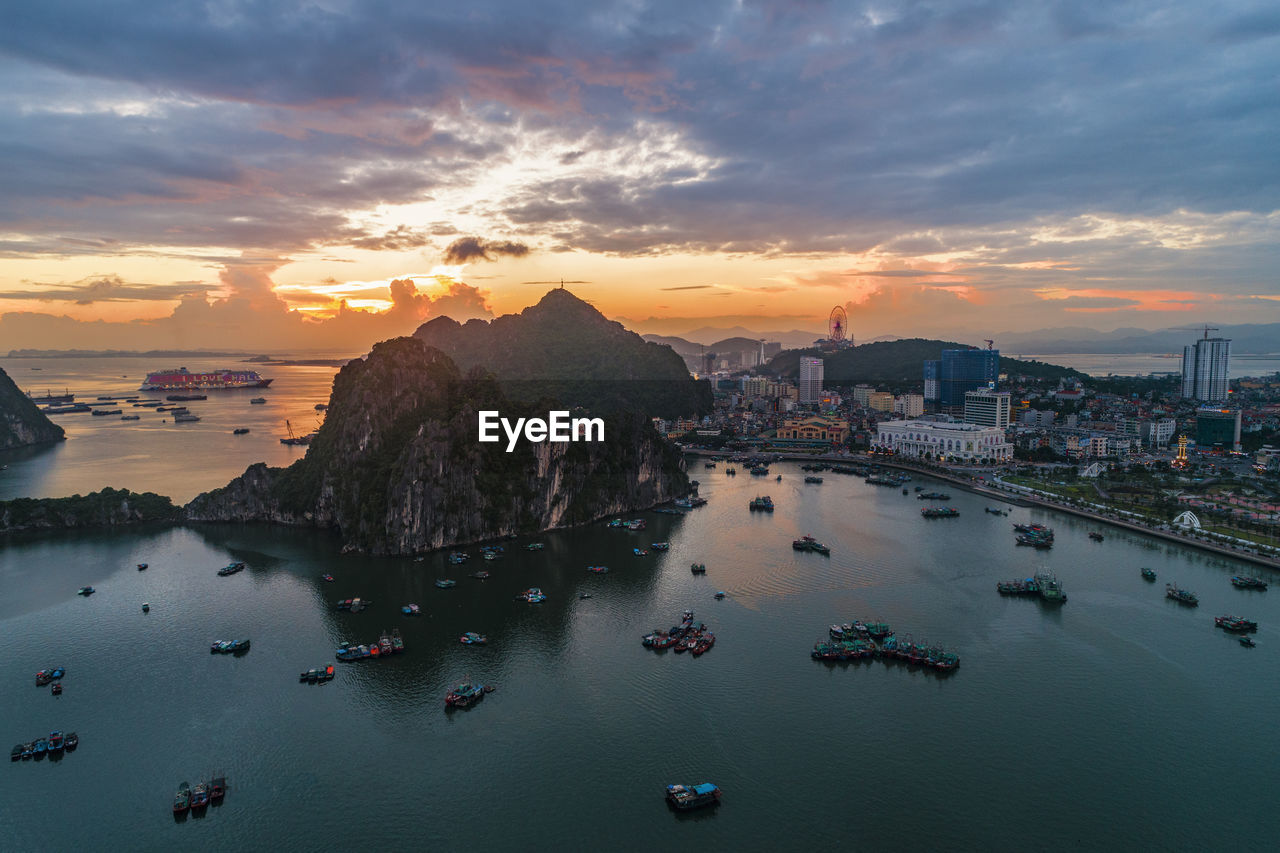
(183, 379)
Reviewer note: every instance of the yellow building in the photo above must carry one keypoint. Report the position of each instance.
(815, 429)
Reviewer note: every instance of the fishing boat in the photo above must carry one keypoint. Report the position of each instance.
(257, 401)
(1181, 596)
(535, 546)
(55, 741)
(231, 569)
(599, 570)
(218, 787)
(410, 610)
(1149, 574)
(698, 568)
(583, 596)
(640, 552)
(761, 504)
(533, 595)
(661, 546)
(719, 595)
(1050, 588)
(812, 479)
(328, 578)
(939, 512)
(1095, 536)
(16, 755)
(40, 746)
(466, 694)
(56, 689)
(473, 639)
(86, 591)
(458, 557)
(481, 575)
(397, 642)
(994, 510)
(1034, 541)
(240, 431)
(808, 543)
(1244, 582)
(71, 742)
(1248, 642)
(226, 647)
(684, 797)
(1235, 623)
(933, 496)
(200, 795)
(445, 583)
(182, 799)
(142, 567)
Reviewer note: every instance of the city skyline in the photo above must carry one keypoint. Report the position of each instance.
(322, 177)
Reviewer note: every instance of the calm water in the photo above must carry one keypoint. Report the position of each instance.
(154, 453)
(1140, 364)
(1119, 721)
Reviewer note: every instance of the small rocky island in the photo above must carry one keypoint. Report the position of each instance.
(397, 467)
(105, 508)
(21, 421)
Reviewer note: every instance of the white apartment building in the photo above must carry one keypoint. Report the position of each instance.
(987, 408)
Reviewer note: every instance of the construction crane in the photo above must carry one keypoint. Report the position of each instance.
(989, 343)
(1207, 330)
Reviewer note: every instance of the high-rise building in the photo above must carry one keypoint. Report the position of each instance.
(880, 401)
(1204, 369)
(810, 380)
(1218, 428)
(909, 405)
(958, 371)
(987, 408)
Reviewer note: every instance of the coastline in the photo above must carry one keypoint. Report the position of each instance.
(1021, 500)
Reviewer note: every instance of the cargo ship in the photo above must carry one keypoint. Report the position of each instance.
(183, 380)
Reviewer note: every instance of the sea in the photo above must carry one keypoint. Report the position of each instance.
(1119, 720)
(1142, 364)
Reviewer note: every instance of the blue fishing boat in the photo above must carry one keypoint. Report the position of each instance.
(473, 639)
(86, 591)
(445, 583)
(693, 796)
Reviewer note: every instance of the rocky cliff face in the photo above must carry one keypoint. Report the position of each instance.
(566, 349)
(21, 421)
(397, 467)
(107, 508)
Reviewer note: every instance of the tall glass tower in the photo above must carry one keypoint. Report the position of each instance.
(960, 371)
(1205, 365)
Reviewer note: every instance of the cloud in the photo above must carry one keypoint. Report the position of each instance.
(690, 287)
(466, 249)
(398, 239)
(106, 288)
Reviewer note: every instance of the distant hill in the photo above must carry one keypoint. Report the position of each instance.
(707, 335)
(898, 361)
(1251, 338)
(564, 349)
(21, 421)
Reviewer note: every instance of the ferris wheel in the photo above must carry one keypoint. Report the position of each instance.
(837, 324)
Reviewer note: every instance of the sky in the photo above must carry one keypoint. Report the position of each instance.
(286, 175)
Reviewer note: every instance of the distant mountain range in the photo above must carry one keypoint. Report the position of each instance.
(1252, 339)
(711, 337)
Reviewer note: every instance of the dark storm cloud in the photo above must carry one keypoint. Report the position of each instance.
(466, 249)
(760, 127)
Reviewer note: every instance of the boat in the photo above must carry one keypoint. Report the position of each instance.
(131, 417)
(939, 512)
(446, 583)
(1181, 596)
(411, 610)
(240, 431)
(184, 380)
(257, 401)
(231, 569)
(56, 689)
(731, 471)
(685, 797)
(763, 504)
(1235, 623)
(218, 787)
(808, 543)
(71, 742)
(86, 591)
(1050, 588)
(1095, 536)
(226, 647)
(535, 546)
(16, 755)
(480, 575)
(185, 418)
(583, 596)
(182, 800)
(40, 746)
(1149, 574)
(933, 496)
(1244, 582)
(473, 639)
(146, 608)
(353, 605)
(1248, 642)
(490, 555)
(397, 642)
(719, 595)
(327, 578)
(200, 795)
(142, 567)
(104, 412)
(533, 595)
(1034, 541)
(661, 546)
(458, 557)
(698, 568)
(55, 742)
(993, 510)
(466, 694)
(599, 570)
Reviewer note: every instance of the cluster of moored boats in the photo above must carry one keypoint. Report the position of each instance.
(939, 512)
(533, 595)
(229, 647)
(632, 524)
(387, 645)
(1034, 535)
(190, 799)
(55, 743)
(808, 543)
(688, 636)
(762, 503)
(1045, 585)
(860, 640)
(319, 675)
(53, 673)
(352, 605)
(684, 797)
